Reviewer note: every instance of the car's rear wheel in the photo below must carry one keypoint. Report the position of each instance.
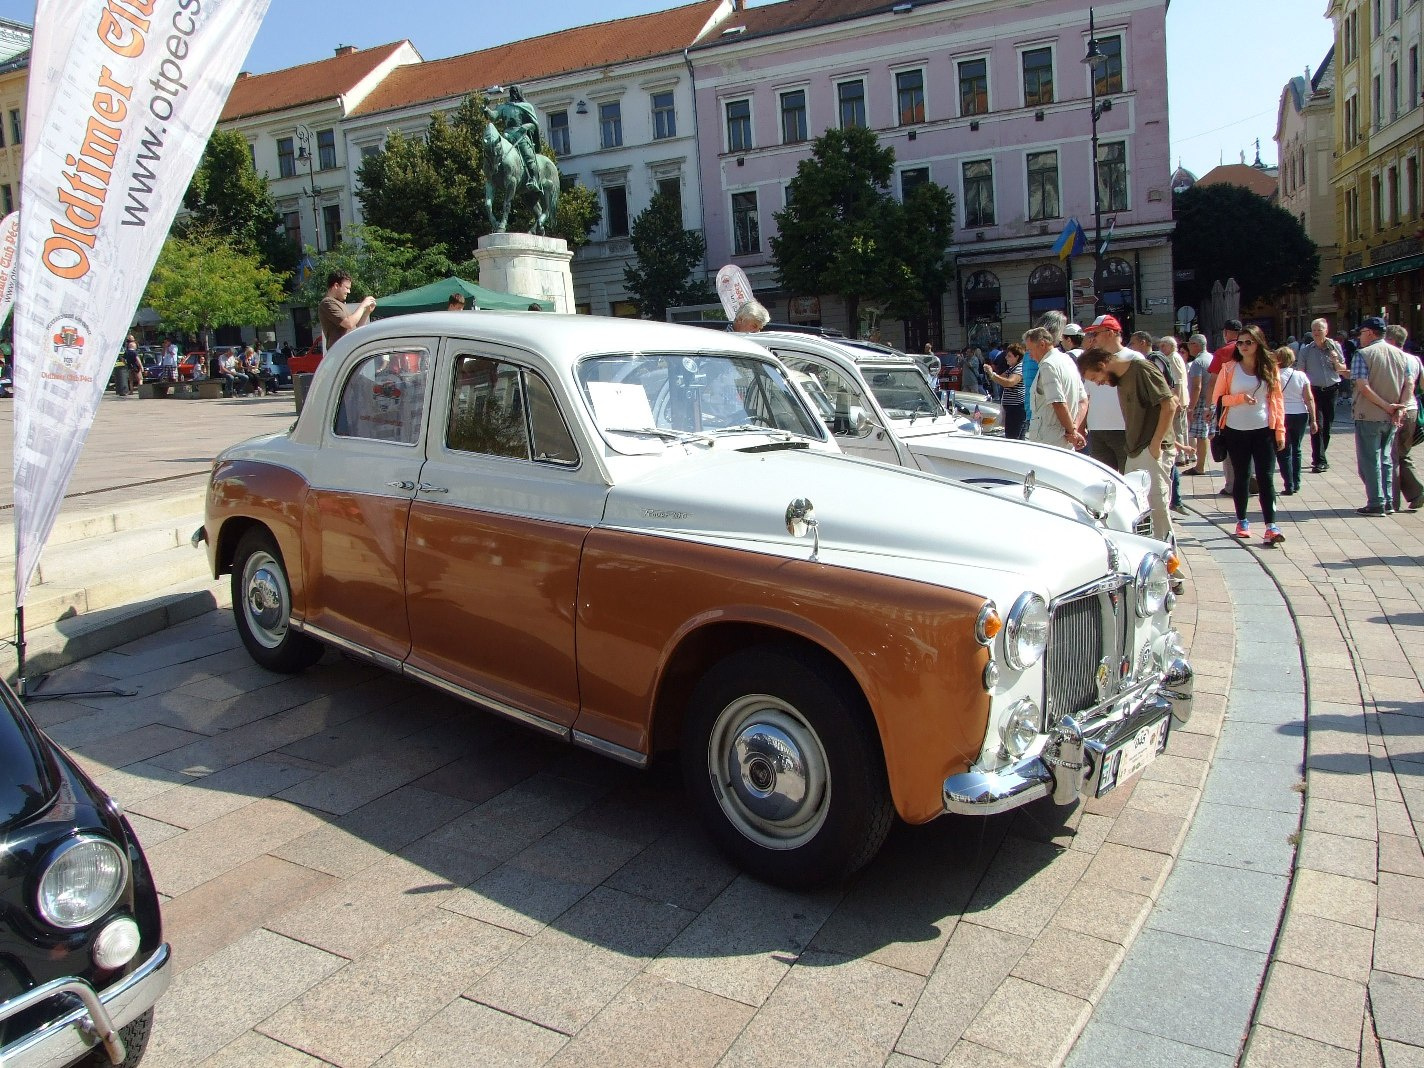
(262, 605)
(135, 1036)
(785, 767)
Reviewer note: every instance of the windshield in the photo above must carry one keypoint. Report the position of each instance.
(902, 391)
(686, 396)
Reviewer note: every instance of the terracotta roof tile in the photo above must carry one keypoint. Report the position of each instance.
(325, 79)
(580, 48)
(799, 14)
(1258, 181)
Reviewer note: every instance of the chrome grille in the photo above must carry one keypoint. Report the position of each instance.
(1143, 525)
(1075, 648)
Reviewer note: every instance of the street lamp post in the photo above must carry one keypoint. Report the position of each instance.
(1096, 60)
(304, 155)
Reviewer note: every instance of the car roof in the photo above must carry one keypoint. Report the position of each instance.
(849, 349)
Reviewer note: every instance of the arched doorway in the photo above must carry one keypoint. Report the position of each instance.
(1118, 291)
(1047, 290)
(983, 323)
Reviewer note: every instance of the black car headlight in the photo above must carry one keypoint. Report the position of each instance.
(83, 878)
(1153, 584)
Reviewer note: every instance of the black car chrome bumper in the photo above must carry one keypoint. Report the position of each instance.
(96, 1020)
(1071, 761)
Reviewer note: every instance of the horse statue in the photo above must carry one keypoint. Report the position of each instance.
(513, 164)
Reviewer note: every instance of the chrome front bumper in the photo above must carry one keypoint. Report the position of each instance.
(93, 1022)
(1069, 763)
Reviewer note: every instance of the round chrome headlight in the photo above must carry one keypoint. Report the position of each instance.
(1153, 585)
(85, 876)
(1026, 631)
(1021, 727)
(1100, 497)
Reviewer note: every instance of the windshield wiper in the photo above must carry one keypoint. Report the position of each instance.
(656, 432)
(754, 428)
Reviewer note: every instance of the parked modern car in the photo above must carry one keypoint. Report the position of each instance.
(275, 370)
(605, 530)
(877, 408)
(85, 960)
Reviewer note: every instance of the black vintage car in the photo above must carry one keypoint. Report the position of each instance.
(82, 956)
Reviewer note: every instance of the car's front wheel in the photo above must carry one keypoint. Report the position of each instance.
(785, 767)
(262, 605)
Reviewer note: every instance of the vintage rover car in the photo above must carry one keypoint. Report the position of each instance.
(878, 408)
(604, 529)
(81, 937)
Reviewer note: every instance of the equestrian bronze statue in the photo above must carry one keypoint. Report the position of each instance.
(514, 164)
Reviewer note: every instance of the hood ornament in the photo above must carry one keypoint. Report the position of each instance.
(1114, 556)
(1030, 483)
(801, 518)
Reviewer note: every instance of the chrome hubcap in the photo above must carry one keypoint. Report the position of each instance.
(265, 599)
(769, 771)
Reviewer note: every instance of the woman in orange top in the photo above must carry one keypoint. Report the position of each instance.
(1253, 424)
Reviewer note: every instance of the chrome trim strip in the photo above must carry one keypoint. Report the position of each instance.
(67, 1039)
(346, 645)
(1106, 584)
(609, 749)
(529, 719)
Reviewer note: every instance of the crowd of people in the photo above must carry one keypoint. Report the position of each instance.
(1141, 405)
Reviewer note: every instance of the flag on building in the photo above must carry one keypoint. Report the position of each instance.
(1103, 248)
(1072, 241)
(119, 110)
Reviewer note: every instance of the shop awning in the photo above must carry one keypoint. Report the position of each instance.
(1378, 270)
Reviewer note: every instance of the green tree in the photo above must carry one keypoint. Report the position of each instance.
(919, 234)
(661, 278)
(579, 212)
(379, 263)
(202, 281)
(1226, 231)
(228, 197)
(836, 211)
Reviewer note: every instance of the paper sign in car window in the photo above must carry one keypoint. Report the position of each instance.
(621, 405)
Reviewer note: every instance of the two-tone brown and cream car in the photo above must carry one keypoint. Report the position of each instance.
(605, 529)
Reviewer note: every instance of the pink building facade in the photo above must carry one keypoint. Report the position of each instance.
(988, 98)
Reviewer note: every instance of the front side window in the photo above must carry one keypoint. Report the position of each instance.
(739, 125)
(851, 98)
(384, 398)
(746, 228)
(1112, 176)
(615, 197)
(559, 132)
(793, 117)
(500, 409)
(836, 397)
(326, 150)
(1108, 78)
(610, 124)
(664, 116)
(979, 193)
(1043, 185)
(1038, 77)
(974, 87)
(286, 158)
(910, 96)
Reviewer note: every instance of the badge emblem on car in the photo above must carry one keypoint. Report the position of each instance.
(1030, 483)
(1104, 680)
(1114, 557)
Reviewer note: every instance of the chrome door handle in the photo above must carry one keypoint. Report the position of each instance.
(402, 484)
(426, 487)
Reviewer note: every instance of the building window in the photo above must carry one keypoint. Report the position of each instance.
(671, 189)
(979, 193)
(1411, 186)
(252, 154)
(911, 179)
(1412, 99)
(7, 195)
(331, 223)
(1108, 78)
(664, 116)
(559, 132)
(615, 197)
(326, 150)
(793, 117)
(286, 158)
(1038, 77)
(974, 87)
(1043, 186)
(1112, 176)
(1378, 117)
(610, 124)
(17, 128)
(1377, 201)
(292, 227)
(1352, 121)
(1392, 194)
(746, 229)
(851, 97)
(1393, 91)
(1393, 10)
(739, 125)
(910, 96)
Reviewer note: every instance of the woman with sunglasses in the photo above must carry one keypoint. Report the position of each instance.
(1253, 422)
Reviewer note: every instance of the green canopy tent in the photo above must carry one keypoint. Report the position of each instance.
(436, 295)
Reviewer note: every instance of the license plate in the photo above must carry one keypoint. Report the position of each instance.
(1130, 756)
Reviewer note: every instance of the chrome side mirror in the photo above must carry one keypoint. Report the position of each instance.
(800, 518)
(858, 421)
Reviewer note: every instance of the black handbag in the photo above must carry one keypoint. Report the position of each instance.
(1218, 443)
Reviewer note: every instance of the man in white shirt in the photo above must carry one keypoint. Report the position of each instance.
(1107, 431)
(1059, 401)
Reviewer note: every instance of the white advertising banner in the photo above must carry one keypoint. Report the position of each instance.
(123, 96)
(9, 248)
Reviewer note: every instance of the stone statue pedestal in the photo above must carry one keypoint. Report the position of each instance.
(529, 265)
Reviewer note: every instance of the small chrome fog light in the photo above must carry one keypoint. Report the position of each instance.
(991, 676)
(117, 943)
(1021, 727)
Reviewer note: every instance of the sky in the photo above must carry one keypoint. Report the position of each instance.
(1227, 60)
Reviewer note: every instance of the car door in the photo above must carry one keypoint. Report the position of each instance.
(506, 498)
(846, 395)
(364, 477)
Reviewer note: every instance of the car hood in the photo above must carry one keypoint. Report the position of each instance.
(869, 516)
(28, 781)
(1070, 472)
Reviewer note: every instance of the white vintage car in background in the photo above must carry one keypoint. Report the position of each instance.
(879, 407)
(632, 536)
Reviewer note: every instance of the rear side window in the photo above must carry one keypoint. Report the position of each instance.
(502, 409)
(384, 398)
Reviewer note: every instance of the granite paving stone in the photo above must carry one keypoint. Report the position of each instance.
(1157, 831)
(682, 868)
(1253, 784)
(1058, 1017)
(211, 796)
(1401, 855)
(1399, 947)
(1334, 897)
(1104, 912)
(1070, 962)
(1395, 1001)
(1025, 887)
(466, 1033)
(1254, 839)
(254, 1050)
(965, 1054)
(1105, 1043)
(1270, 1048)
(1233, 906)
(151, 832)
(1136, 870)
(1354, 858)
(220, 845)
(1340, 818)
(1401, 897)
(1329, 946)
(1399, 1055)
(1312, 1004)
